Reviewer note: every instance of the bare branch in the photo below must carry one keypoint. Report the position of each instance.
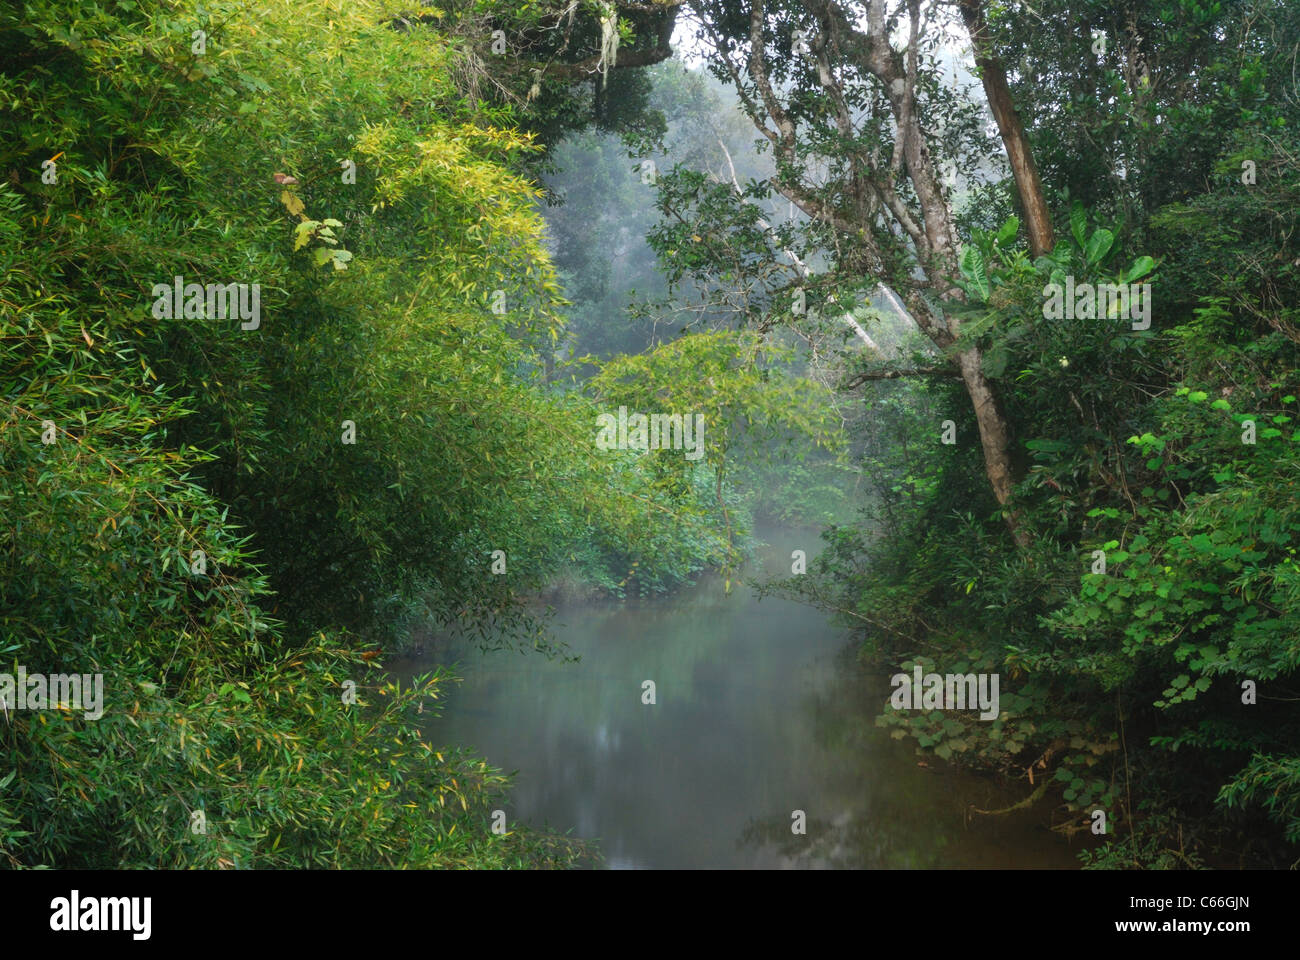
(865, 376)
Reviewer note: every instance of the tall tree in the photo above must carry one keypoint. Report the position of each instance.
(859, 129)
(993, 75)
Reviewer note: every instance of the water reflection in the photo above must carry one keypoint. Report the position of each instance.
(760, 711)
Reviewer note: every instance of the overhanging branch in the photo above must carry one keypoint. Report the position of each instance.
(866, 375)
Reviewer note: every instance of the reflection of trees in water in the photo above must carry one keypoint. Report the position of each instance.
(897, 828)
(841, 712)
(912, 822)
(931, 800)
(759, 710)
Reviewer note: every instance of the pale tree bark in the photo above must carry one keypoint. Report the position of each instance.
(927, 225)
(1038, 219)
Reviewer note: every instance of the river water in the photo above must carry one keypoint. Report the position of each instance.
(760, 710)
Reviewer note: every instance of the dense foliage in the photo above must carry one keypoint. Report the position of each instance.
(220, 516)
(231, 516)
(1160, 686)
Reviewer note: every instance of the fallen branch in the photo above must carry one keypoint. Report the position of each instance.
(1024, 804)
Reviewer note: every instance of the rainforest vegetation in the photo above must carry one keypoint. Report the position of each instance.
(461, 230)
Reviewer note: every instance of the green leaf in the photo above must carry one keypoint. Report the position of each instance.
(1099, 245)
(1141, 267)
(1078, 223)
(302, 234)
(974, 270)
(1008, 231)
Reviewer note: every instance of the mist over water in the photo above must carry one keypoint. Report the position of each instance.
(760, 710)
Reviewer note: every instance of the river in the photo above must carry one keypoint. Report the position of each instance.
(760, 710)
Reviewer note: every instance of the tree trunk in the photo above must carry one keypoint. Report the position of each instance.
(928, 226)
(940, 268)
(995, 437)
(1038, 220)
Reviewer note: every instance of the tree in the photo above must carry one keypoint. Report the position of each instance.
(1038, 219)
(859, 130)
(217, 516)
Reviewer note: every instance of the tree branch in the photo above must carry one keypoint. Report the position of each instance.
(867, 375)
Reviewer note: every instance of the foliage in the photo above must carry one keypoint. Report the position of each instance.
(1111, 669)
(201, 530)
